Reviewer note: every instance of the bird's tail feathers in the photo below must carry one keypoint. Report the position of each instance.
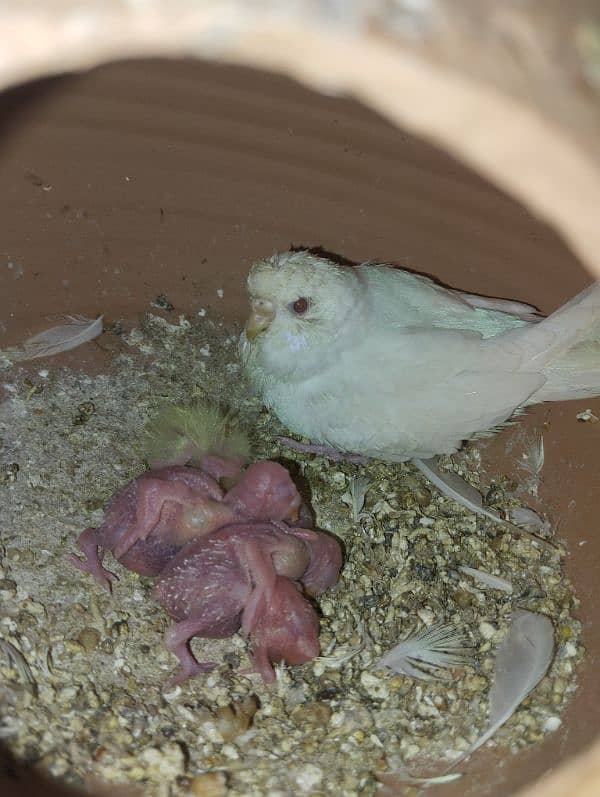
(543, 344)
(575, 375)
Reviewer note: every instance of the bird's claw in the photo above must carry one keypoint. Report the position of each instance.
(103, 576)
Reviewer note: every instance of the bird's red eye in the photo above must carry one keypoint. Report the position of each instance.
(300, 305)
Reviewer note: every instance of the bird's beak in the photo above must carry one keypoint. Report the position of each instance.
(261, 316)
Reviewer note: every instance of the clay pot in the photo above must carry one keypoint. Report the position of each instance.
(167, 177)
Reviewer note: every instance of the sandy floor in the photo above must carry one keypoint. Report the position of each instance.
(85, 670)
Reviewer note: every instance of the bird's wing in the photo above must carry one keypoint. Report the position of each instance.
(525, 311)
(403, 299)
(421, 392)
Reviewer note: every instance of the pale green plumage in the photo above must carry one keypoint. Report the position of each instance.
(389, 364)
(186, 434)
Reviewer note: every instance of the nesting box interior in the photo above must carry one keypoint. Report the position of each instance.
(169, 178)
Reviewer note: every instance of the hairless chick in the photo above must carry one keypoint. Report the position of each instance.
(152, 517)
(244, 577)
(285, 628)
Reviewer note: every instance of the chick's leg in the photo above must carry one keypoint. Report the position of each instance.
(88, 545)
(177, 641)
(258, 563)
(260, 663)
(322, 451)
(151, 496)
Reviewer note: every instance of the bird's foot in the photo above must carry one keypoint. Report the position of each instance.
(94, 566)
(323, 451)
(92, 563)
(189, 670)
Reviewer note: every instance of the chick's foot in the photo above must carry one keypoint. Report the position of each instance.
(88, 545)
(177, 641)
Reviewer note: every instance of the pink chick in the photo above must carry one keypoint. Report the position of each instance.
(150, 519)
(236, 578)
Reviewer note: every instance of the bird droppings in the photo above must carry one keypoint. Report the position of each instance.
(81, 672)
(162, 303)
(587, 416)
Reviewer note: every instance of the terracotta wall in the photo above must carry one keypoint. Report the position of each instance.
(510, 88)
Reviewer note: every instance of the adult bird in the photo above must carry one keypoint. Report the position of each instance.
(380, 362)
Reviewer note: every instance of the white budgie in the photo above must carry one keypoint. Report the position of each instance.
(384, 363)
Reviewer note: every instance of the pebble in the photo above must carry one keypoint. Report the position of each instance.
(552, 724)
(487, 630)
(8, 473)
(230, 751)
(427, 616)
(375, 687)
(463, 598)
(312, 715)
(233, 720)
(167, 762)
(172, 695)
(338, 479)
(309, 777)
(570, 650)
(88, 639)
(106, 646)
(209, 784)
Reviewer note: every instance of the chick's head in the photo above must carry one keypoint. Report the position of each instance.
(300, 304)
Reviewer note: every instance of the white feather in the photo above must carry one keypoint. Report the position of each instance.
(401, 775)
(522, 660)
(456, 488)
(534, 457)
(528, 518)
(434, 780)
(434, 648)
(359, 487)
(495, 582)
(19, 663)
(525, 311)
(75, 332)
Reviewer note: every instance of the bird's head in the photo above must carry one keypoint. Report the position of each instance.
(300, 305)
